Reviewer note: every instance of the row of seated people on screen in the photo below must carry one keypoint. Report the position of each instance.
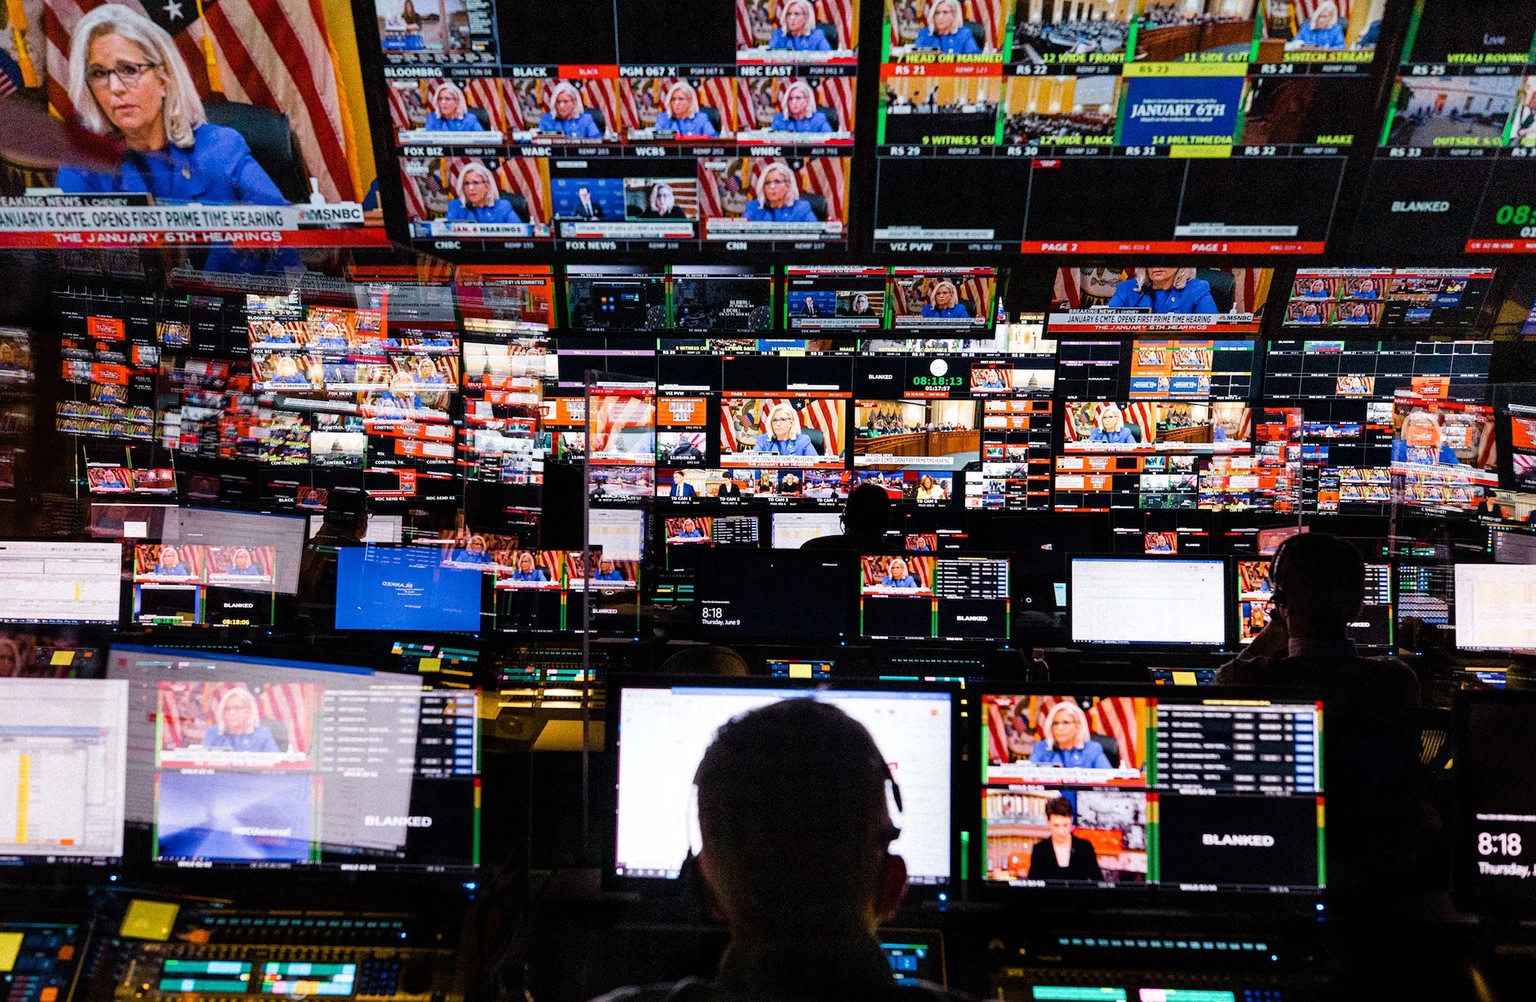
(682, 114)
(1028, 125)
(1162, 14)
(479, 199)
(1078, 36)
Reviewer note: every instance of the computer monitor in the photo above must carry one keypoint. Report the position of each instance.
(386, 529)
(405, 588)
(1151, 789)
(922, 596)
(793, 529)
(1495, 821)
(60, 582)
(62, 747)
(749, 594)
(664, 729)
(1146, 601)
(1495, 607)
(214, 527)
(260, 763)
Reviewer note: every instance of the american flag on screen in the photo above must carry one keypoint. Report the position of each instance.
(733, 103)
(822, 413)
(1139, 413)
(987, 13)
(485, 96)
(276, 54)
(725, 192)
(838, 13)
(184, 712)
(1114, 716)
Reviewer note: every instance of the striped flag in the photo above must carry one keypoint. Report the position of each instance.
(528, 176)
(1118, 717)
(840, 14)
(988, 14)
(722, 94)
(275, 54)
(997, 732)
(825, 414)
(746, 38)
(415, 196)
(399, 109)
(484, 94)
(827, 177)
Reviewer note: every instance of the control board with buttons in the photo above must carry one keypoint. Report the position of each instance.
(223, 955)
(40, 961)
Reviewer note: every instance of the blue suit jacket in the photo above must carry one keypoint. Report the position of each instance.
(217, 169)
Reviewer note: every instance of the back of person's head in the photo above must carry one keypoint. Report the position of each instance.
(706, 659)
(793, 812)
(868, 512)
(1320, 579)
(346, 508)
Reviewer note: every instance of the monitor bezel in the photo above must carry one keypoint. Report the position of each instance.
(1228, 604)
(605, 803)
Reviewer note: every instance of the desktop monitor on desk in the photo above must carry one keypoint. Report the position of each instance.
(1146, 602)
(1159, 789)
(665, 727)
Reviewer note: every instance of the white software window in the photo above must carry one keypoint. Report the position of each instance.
(42, 582)
(62, 767)
(1148, 601)
(1496, 607)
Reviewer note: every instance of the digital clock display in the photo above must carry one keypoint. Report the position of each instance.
(937, 382)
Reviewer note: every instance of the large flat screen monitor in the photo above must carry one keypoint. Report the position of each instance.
(747, 594)
(665, 728)
(62, 746)
(1154, 789)
(260, 763)
(1148, 601)
(405, 588)
(1495, 821)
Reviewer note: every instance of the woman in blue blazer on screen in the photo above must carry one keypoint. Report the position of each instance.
(947, 31)
(778, 198)
(450, 111)
(1165, 290)
(567, 114)
(798, 111)
(479, 200)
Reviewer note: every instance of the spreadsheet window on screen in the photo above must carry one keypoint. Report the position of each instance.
(1496, 606)
(60, 582)
(62, 753)
(1148, 601)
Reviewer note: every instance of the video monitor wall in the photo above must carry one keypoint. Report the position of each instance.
(604, 126)
(1331, 403)
(1391, 299)
(260, 147)
(1198, 126)
(1094, 790)
(1453, 162)
(1156, 375)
